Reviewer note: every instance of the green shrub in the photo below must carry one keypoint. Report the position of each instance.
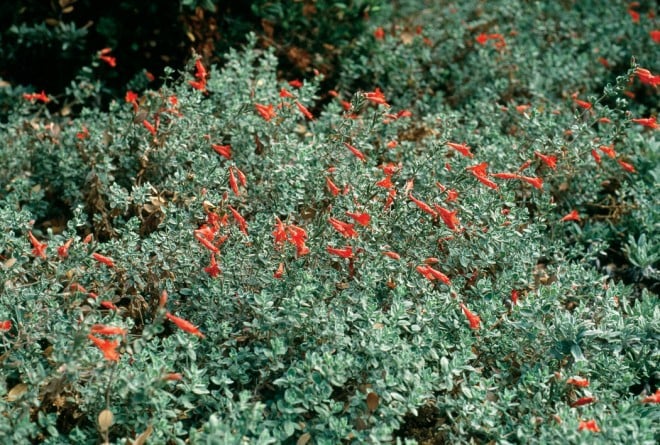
(472, 323)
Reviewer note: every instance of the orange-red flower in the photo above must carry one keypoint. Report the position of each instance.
(346, 252)
(305, 112)
(647, 77)
(284, 93)
(583, 401)
(376, 97)
(184, 325)
(5, 325)
(42, 97)
(480, 172)
(266, 111)
(589, 425)
(448, 217)
(295, 83)
(358, 154)
(549, 160)
(473, 319)
(107, 347)
(653, 398)
(222, 150)
(393, 255)
(213, 269)
(38, 249)
(101, 329)
(379, 33)
(361, 218)
(332, 187)
(649, 122)
(423, 206)
(279, 272)
(608, 150)
(148, 125)
(578, 381)
(345, 229)
(655, 35)
(103, 259)
(461, 148)
(242, 224)
(572, 216)
(626, 166)
(103, 55)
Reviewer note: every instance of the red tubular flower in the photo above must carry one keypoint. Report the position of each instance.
(103, 259)
(212, 269)
(232, 181)
(107, 347)
(626, 166)
(346, 252)
(103, 55)
(653, 398)
(572, 216)
(649, 122)
(376, 97)
(149, 127)
(345, 229)
(482, 38)
(108, 305)
(279, 272)
(505, 175)
(38, 249)
(479, 171)
(295, 83)
(448, 217)
(634, 15)
(647, 77)
(423, 206)
(131, 97)
(222, 150)
(101, 329)
(242, 225)
(5, 325)
(655, 35)
(305, 112)
(331, 186)
(536, 182)
(361, 218)
(578, 381)
(583, 401)
(452, 195)
(200, 71)
(279, 234)
(358, 154)
(581, 103)
(205, 242)
(284, 93)
(461, 148)
(172, 377)
(608, 150)
(266, 111)
(514, 297)
(596, 156)
(297, 236)
(589, 425)
(184, 325)
(41, 97)
(63, 250)
(549, 160)
(386, 182)
(393, 255)
(379, 33)
(473, 319)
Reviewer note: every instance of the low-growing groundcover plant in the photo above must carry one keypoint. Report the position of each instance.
(417, 262)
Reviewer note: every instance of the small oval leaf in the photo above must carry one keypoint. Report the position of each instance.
(302, 440)
(16, 392)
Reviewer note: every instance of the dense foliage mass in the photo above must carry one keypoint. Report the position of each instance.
(455, 242)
